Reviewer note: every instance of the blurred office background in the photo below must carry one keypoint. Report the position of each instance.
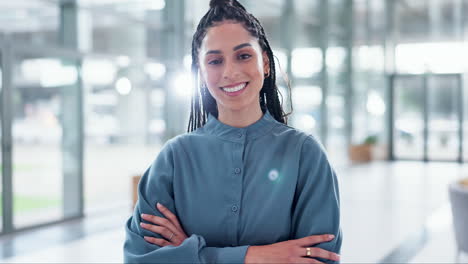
(91, 89)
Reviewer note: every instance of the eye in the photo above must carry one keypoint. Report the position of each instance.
(244, 56)
(215, 62)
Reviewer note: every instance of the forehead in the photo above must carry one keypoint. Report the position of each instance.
(226, 35)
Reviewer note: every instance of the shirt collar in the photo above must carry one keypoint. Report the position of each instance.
(257, 129)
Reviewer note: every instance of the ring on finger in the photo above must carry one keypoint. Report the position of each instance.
(308, 252)
(172, 235)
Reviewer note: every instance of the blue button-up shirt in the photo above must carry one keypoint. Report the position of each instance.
(235, 187)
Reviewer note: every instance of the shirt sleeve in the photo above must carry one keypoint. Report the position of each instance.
(316, 209)
(156, 186)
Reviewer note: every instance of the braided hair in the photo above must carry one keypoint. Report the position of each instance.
(203, 102)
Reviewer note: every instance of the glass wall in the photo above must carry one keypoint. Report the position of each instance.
(124, 126)
(438, 28)
(408, 123)
(443, 117)
(370, 107)
(41, 157)
(123, 103)
(307, 67)
(122, 88)
(464, 39)
(1, 140)
(31, 22)
(465, 113)
(376, 101)
(121, 75)
(362, 65)
(339, 76)
(132, 66)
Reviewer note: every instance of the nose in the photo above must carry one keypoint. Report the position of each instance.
(231, 71)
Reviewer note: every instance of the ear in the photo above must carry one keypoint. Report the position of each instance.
(266, 63)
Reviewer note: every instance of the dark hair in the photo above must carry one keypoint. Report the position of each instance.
(219, 11)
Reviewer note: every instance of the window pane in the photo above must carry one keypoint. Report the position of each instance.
(31, 22)
(465, 122)
(1, 146)
(465, 84)
(40, 158)
(408, 118)
(443, 126)
(124, 125)
(306, 101)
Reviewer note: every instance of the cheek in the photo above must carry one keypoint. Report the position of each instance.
(257, 67)
(211, 76)
(256, 71)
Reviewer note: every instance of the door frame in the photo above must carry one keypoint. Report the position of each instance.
(391, 117)
(9, 50)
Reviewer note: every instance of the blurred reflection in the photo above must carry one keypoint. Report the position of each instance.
(409, 122)
(98, 71)
(375, 104)
(40, 85)
(281, 63)
(155, 70)
(446, 57)
(123, 86)
(124, 124)
(443, 125)
(1, 147)
(48, 72)
(183, 85)
(306, 101)
(306, 62)
(442, 117)
(335, 58)
(31, 21)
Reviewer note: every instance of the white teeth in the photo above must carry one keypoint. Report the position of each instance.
(235, 88)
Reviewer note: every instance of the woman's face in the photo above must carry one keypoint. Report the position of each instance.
(232, 65)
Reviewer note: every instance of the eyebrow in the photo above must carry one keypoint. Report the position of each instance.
(235, 48)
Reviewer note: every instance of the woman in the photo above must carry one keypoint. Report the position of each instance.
(241, 186)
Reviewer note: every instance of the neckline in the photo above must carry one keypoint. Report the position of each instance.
(236, 134)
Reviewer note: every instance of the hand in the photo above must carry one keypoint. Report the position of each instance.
(170, 228)
(291, 251)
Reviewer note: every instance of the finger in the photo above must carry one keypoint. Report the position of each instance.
(160, 221)
(163, 231)
(157, 241)
(169, 215)
(320, 253)
(306, 260)
(315, 261)
(315, 239)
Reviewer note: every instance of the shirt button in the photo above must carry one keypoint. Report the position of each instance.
(234, 208)
(237, 170)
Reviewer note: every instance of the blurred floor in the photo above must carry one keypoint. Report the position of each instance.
(391, 212)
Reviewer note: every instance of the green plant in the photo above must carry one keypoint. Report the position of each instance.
(371, 140)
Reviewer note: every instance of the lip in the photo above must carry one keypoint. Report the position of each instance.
(238, 92)
(234, 84)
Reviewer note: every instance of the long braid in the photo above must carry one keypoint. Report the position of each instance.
(202, 102)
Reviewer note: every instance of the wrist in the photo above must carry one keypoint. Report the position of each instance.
(250, 255)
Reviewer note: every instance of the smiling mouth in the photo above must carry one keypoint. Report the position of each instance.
(234, 89)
